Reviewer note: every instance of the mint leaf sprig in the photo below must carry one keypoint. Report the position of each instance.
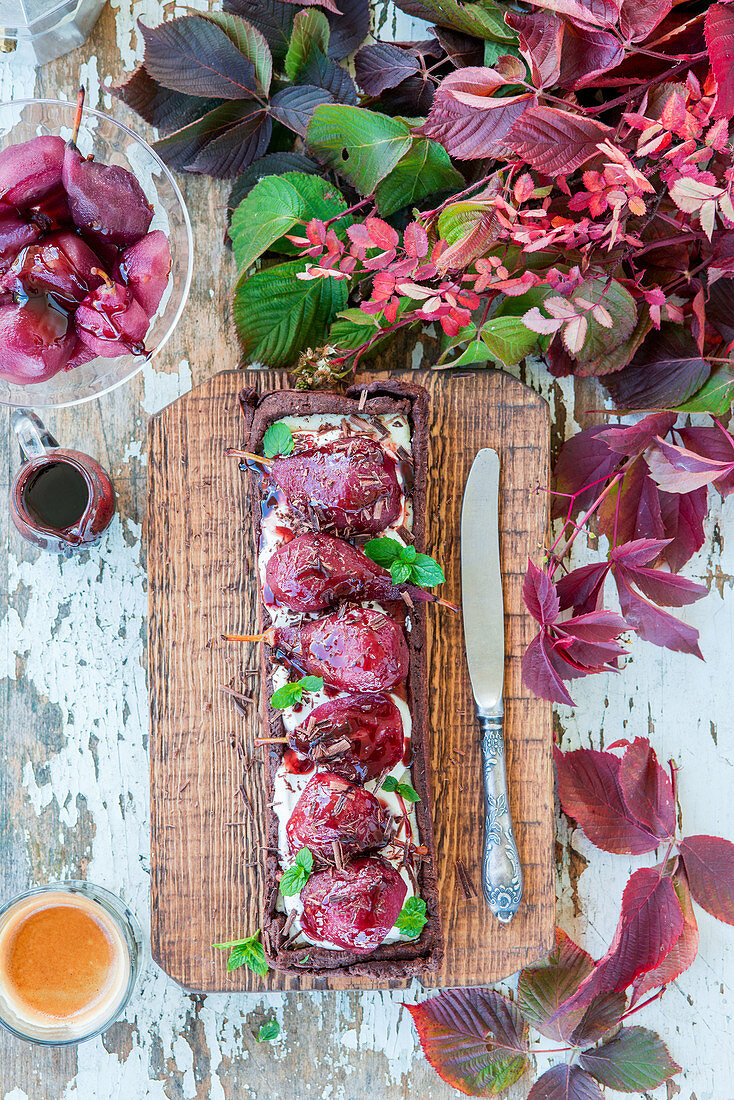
(292, 693)
(404, 562)
(412, 918)
(248, 952)
(278, 440)
(268, 1031)
(402, 790)
(296, 876)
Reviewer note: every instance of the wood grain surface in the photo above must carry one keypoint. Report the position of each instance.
(205, 833)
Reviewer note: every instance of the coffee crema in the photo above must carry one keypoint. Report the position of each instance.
(64, 966)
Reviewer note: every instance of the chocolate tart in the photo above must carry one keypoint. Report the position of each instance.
(407, 956)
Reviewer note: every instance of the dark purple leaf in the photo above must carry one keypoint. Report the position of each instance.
(272, 18)
(348, 30)
(539, 672)
(324, 73)
(604, 1013)
(193, 56)
(461, 49)
(328, 4)
(586, 53)
(651, 623)
(590, 793)
(585, 460)
(294, 106)
(683, 515)
(709, 864)
(565, 1082)
(382, 66)
(638, 18)
(581, 589)
(473, 1038)
(664, 372)
(544, 987)
(649, 925)
(540, 595)
(720, 306)
(635, 1060)
(227, 155)
(272, 164)
(182, 147)
(159, 106)
(555, 142)
(632, 508)
(647, 789)
(413, 97)
(720, 43)
(633, 439)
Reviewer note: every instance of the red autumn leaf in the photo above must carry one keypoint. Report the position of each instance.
(545, 986)
(632, 508)
(646, 789)
(541, 40)
(565, 1082)
(652, 624)
(584, 460)
(477, 128)
(719, 26)
(649, 925)
(635, 1060)
(600, 13)
(590, 793)
(472, 1038)
(582, 588)
(638, 18)
(586, 54)
(714, 443)
(540, 674)
(681, 954)
(539, 594)
(633, 439)
(709, 864)
(663, 373)
(668, 589)
(680, 470)
(554, 141)
(683, 515)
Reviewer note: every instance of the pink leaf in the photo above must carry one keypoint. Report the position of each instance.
(714, 443)
(679, 470)
(600, 13)
(719, 29)
(554, 141)
(541, 38)
(639, 17)
(709, 864)
(539, 674)
(647, 789)
(650, 923)
(681, 954)
(633, 439)
(565, 1082)
(652, 624)
(539, 594)
(590, 793)
(597, 626)
(415, 240)
(638, 552)
(471, 132)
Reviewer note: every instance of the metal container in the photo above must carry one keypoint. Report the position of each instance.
(35, 31)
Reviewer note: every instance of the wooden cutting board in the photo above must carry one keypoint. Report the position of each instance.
(201, 578)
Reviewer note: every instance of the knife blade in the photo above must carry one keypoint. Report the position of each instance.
(484, 637)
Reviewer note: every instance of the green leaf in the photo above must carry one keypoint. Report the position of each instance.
(277, 314)
(362, 146)
(460, 218)
(635, 1060)
(408, 553)
(426, 572)
(291, 693)
(248, 41)
(268, 1031)
(248, 952)
(408, 793)
(508, 339)
(475, 352)
(383, 551)
(278, 440)
(304, 858)
(400, 572)
(412, 917)
(293, 880)
(310, 32)
(271, 209)
(716, 395)
(390, 784)
(425, 169)
(483, 20)
(545, 986)
(348, 336)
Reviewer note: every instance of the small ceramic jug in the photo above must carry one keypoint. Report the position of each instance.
(60, 500)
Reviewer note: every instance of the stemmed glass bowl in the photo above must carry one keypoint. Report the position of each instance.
(111, 143)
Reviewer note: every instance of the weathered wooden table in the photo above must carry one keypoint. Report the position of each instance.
(73, 741)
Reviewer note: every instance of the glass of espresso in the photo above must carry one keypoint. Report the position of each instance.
(60, 500)
(69, 958)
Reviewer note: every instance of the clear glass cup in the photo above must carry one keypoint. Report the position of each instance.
(111, 143)
(129, 942)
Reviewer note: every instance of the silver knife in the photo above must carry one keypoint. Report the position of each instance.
(484, 634)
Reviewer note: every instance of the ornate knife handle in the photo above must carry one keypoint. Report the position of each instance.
(501, 871)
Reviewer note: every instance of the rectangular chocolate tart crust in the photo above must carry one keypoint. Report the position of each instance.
(405, 957)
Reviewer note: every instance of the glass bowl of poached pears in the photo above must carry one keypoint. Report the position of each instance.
(96, 253)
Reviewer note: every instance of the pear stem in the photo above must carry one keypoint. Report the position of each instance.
(77, 118)
(265, 637)
(248, 456)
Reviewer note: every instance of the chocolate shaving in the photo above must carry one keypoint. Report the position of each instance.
(465, 880)
(241, 700)
(289, 923)
(338, 855)
(362, 399)
(405, 534)
(405, 597)
(245, 798)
